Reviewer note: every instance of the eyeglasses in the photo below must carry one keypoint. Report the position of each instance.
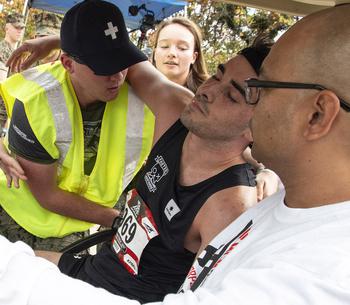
(253, 88)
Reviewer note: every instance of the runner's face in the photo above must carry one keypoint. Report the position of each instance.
(219, 111)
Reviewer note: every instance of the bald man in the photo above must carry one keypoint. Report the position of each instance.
(292, 248)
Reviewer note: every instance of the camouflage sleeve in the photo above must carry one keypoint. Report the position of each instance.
(3, 114)
(22, 140)
(5, 51)
(3, 71)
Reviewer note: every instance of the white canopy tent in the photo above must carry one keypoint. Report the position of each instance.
(135, 12)
(293, 7)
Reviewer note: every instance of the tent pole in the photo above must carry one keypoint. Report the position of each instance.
(25, 12)
(27, 5)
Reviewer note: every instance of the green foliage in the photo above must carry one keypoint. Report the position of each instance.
(227, 28)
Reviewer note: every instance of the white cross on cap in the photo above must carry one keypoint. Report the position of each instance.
(111, 30)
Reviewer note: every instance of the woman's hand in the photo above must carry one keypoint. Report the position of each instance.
(267, 183)
(11, 168)
(31, 51)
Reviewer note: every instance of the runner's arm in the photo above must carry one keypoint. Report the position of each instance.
(220, 210)
(165, 98)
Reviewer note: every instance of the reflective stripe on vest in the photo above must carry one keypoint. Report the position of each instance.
(54, 114)
(134, 127)
(58, 109)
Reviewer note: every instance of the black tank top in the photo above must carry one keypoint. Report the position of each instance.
(164, 262)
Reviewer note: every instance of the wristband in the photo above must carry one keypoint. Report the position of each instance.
(264, 169)
(118, 220)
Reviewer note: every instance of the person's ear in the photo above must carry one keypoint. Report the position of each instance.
(194, 58)
(324, 110)
(67, 63)
(247, 134)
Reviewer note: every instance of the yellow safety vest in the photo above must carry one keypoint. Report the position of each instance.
(54, 115)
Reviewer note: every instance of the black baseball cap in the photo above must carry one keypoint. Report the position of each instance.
(93, 32)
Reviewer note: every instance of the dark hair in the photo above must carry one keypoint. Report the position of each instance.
(257, 51)
(198, 71)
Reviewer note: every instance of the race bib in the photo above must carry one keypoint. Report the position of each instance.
(134, 233)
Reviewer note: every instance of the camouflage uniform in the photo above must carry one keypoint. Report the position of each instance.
(5, 51)
(3, 114)
(48, 24)
(16, 20)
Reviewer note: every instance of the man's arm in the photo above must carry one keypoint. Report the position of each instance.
(165, 98)
(41, 173)
(41, 179)
(218, 212)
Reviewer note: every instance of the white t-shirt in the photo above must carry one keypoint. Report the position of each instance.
(271, 255)
(278, 255)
